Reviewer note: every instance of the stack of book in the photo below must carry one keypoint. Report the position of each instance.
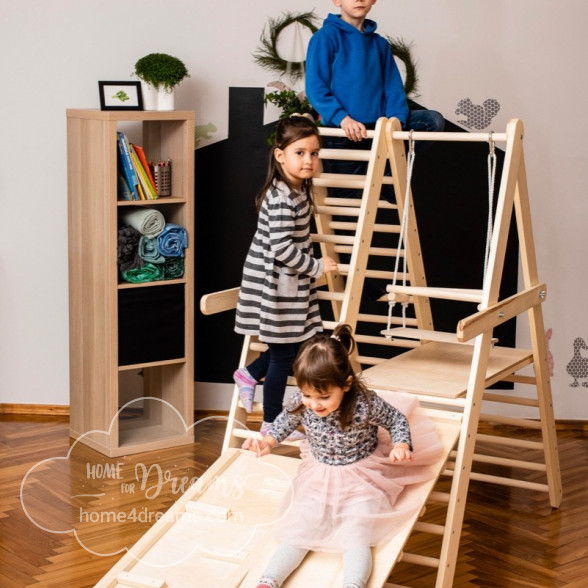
(135, 177)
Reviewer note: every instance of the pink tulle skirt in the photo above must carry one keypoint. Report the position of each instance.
(335, 508)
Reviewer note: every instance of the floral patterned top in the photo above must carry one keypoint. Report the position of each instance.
(332, 445)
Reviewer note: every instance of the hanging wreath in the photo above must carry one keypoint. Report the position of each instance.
(401, 50)
(267, 55)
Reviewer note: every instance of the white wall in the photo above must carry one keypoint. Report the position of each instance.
(528, 54)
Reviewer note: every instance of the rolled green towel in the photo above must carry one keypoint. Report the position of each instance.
(148, 250)
(148, 273)
(173, 268)
(148, 221)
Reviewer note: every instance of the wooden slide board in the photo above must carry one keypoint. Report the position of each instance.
(206, 547)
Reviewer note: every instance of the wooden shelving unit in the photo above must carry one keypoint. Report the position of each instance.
(131, 345)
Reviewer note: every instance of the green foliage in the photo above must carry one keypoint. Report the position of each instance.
(401, 50)
(290, 102)
(267, 55)
(161, 70)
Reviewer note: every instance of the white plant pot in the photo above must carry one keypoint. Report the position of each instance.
(150, 97)
(166, 99)
(157, 99)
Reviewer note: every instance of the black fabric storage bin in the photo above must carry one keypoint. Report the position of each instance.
(150, 324)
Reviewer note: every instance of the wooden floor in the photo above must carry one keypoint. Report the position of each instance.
(511, 537)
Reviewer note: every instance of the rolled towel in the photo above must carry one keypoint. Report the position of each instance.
(148, 250)
(128, 249)
(173, 268)
(148, 273)
(172, 241)
(148, 221)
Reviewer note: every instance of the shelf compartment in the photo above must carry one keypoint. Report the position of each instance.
(151, 324)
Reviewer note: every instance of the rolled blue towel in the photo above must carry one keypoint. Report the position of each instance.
(172, 241)
(148, 250)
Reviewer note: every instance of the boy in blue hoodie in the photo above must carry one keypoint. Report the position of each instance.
(352, 78)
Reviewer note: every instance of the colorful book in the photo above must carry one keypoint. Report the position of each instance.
(123, 190)
(126, 165)
(143, 159)
(144, 183)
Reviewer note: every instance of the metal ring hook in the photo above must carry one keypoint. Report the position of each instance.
(491, 143)
(410, 142)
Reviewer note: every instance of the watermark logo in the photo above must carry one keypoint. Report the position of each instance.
(92, 496)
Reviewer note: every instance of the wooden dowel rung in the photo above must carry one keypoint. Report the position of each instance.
(345, 154)
(355, 182)
(373, 251)
(385, 342)
(511, 463)
(440, 497)
(452, 137)
(378, 228)
(511, 441)
(429, 528)
(333, 201)
(462, 295)
(511, 421)
(519, 379)
(513, 483)
(420, 560)
(343, 269)
(421, 335)
(366, 360)
(340, 239)
(503, 398)
(339, 132)
(338, 210)
(326, 295)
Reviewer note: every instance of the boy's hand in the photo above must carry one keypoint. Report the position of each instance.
(329, 265)
(354, 130)
(401, 452)
(262, 447)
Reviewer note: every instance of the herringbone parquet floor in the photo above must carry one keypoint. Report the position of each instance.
(511, 537)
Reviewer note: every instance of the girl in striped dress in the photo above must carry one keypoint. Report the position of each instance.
(277, 300)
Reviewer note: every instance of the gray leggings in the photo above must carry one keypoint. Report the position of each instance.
(357, 564)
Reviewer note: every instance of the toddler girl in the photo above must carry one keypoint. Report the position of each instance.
(356, 460)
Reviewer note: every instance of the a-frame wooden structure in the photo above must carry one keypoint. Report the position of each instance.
(449, 372)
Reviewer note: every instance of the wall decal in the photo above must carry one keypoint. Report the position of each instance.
(203, 132)
(578, 365)
(478, 116)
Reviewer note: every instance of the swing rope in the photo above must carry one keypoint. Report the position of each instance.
(491, 182)
(401, 237)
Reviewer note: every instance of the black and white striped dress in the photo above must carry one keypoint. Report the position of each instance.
(278, 299)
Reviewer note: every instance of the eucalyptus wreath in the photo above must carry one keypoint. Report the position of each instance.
(267, 55)
(401, 49)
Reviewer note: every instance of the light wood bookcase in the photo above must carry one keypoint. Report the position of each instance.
(128, 394)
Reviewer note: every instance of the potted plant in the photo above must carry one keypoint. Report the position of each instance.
(159, 73)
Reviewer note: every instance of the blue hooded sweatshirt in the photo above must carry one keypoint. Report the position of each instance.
(349, 72)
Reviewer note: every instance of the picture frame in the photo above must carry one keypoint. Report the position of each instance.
(120, 95)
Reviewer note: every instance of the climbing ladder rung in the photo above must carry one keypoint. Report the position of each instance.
(356, 182)
(339, 132)
(462, 295)
(343, 226)
(343, 269)
(423, 335)
(345, 154)
(333, 201)
(334, 296)
(373, 251)
(324, 238)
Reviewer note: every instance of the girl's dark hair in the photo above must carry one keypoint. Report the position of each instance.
(289, 129)
(323, 361)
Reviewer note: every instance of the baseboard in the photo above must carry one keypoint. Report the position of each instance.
(35, 409)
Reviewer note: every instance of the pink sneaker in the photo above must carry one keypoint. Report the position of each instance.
(246, 385)
(268, 583)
